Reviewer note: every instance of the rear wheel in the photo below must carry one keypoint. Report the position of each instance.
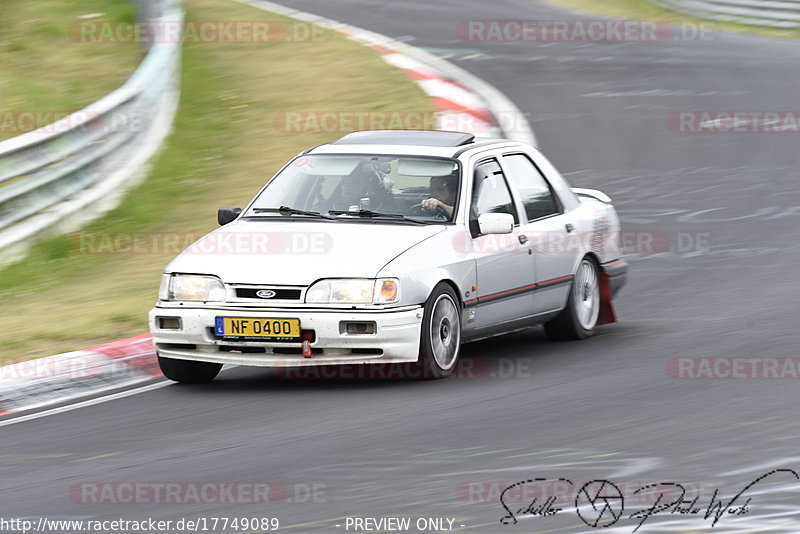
(440, 342)
(579, 319)
(187, 371)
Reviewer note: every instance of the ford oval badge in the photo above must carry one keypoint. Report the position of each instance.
(265, 294)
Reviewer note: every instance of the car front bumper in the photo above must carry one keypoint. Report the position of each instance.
(396, 339)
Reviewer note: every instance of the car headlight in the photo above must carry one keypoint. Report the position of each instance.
(354, 291)
(191, 287)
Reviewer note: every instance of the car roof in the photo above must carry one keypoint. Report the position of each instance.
(407, 137)
(407, 142)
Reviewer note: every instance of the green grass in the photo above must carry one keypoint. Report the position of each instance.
(223, 148)
(645, 10)
(46, 69)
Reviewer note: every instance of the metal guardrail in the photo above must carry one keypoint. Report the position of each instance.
(56, 178)
(773, 13)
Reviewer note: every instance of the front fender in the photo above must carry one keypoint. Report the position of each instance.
(437, 259)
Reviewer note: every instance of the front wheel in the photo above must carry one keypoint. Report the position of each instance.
(187, 371)
(440, 342)
(579, 319)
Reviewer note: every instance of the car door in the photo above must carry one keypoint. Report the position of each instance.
(504, 263)
(555, 249)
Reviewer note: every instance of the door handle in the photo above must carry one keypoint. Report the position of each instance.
(523, 239)
(569, 228)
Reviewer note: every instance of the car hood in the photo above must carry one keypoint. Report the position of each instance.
(298, 252)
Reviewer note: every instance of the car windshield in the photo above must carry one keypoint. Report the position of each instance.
(363, 186)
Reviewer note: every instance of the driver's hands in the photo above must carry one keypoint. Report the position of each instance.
(434, 204)
(430, 204)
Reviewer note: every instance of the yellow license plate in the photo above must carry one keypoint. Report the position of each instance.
(252, 328)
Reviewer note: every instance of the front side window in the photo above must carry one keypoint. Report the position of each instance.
(419, 188)
(491, 193)
(537, 197)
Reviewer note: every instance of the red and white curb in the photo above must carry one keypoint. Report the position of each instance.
(64, 377)
(463, 102)
(458, 109)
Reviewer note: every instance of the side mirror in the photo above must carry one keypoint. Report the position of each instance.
(496, 223)
(226, 215)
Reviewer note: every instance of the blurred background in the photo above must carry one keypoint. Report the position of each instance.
(125, 125)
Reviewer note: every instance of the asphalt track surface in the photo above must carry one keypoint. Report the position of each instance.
(721, 282)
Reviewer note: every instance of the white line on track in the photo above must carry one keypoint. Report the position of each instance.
(84, 404)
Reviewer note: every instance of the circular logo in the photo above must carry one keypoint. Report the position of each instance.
(265, 293)
(599, 503)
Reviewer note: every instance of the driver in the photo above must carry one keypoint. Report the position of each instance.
(443, 194)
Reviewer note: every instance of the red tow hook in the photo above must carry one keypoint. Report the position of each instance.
(308, 337)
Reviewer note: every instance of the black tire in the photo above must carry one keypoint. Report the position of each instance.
(440, 339)
(187, 371)
(575, 321)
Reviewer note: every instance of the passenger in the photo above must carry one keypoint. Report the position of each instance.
(360, 184)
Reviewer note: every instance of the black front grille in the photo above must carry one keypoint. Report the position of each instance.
(280, 294)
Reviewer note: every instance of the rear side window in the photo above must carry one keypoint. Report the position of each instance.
(535, 192)
(491, 193)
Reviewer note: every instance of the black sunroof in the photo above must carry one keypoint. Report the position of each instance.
(406, 137)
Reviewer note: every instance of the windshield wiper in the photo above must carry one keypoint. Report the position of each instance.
(375, 214)
(293, 211)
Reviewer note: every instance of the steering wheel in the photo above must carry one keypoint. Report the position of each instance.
(417, 210)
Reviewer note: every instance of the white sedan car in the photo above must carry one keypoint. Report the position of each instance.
(391, 247)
